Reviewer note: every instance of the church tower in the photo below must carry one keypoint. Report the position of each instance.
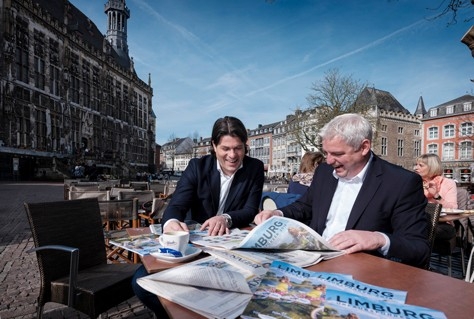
(117, 16)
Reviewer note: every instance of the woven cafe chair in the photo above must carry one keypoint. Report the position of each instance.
(100, 195)
(146, 199)
(432, 210)
(117, 216)
(62, 232)
(470, 268)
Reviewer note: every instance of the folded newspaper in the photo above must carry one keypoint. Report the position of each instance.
(215, 287)
(140, 244)
(287, 291)
(276, 233)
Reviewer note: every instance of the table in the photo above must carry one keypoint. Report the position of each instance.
(425, 288)
(453, 217)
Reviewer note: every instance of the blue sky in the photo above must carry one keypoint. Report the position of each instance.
(257, 60)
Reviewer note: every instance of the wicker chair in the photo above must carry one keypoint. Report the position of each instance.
(154, 213)
(433, 211)
(61, 232)
(117, 216)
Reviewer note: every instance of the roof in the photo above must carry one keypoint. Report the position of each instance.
(382, 99)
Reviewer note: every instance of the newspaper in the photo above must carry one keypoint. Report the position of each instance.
(209, 286)
(277, 233)
(219, 286)
(141, 244)
(287, 291)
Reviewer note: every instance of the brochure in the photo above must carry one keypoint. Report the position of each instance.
(276, 233)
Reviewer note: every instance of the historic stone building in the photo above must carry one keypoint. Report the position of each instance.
(397, 132)
(70, 95)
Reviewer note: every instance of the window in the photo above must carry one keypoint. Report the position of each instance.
(383, 128)
(433, 132)
(448, 151)
(417, 149)
(433, 112)
(400, 148)
(400, 130)
(383, 147)
(417, 132)
(467, 106)
(54, 80)
(466, 129)
(39, 73)
(433, 149)
(465, 150)
(450, 109)
(449, 130)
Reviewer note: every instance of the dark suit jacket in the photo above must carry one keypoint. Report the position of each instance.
(390, 201)
(198, 191)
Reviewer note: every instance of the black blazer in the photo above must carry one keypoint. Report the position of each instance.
(390, 201)
(198, 191)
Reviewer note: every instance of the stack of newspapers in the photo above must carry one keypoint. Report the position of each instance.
(259, 274)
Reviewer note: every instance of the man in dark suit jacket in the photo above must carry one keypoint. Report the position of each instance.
(360, 202)
(199, 189)
(221, 191)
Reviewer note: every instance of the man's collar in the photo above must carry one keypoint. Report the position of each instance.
(358, 177)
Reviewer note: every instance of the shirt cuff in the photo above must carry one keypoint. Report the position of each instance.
(384, 249)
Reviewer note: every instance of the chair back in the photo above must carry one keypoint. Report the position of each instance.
(432, 210)
(159, 188)
(142, 196)
(84, 188)
(469, 269)
(140, 186)
(73, 223)
(120, 211)
(100, 195)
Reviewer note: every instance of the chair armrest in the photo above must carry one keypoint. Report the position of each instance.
(73, 266)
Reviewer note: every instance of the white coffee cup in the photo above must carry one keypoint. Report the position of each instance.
(177, 240)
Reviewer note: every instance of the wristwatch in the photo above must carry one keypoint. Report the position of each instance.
(437, 198)
(228, 220)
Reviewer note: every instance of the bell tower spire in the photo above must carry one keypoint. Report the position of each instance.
(117, 15)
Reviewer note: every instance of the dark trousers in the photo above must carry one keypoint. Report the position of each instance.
(149, 299)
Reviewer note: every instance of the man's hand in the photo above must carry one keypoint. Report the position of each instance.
(175, 225)
(264, 215)
(352, 241)
(216, 226)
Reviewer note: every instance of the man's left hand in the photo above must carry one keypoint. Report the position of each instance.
(352, 241)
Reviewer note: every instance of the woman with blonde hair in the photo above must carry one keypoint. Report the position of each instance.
(300, 182)
(437, 189)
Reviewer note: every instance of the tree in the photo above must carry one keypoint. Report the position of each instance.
(334, 95)
(452, 7)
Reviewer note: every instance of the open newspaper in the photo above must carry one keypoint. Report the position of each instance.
(140, 244)
(276, 233)
(219, 286)
(287, 291)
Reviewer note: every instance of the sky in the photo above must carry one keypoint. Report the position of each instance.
(257, 60)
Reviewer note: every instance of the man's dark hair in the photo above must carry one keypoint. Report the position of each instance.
(228, 125)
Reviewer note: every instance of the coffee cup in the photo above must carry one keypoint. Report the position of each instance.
(177, 240)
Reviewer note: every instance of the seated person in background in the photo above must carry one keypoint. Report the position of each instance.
(359, 202)
(300, 181)
(221, 190)
(438, 189)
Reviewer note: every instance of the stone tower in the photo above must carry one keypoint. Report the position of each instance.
(117, 15)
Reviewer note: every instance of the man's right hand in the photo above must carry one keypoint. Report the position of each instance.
(175, 225)
(266, 214)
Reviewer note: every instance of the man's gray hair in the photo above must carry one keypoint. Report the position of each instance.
(351, 128)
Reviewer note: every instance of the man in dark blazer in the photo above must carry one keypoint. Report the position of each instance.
(359, 202)
(221, 191)
(199, 189)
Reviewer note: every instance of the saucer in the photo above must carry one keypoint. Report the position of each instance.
(191, 252)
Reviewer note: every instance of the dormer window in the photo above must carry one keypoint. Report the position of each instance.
(433, 112)
(467, 106)
(450, 109)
